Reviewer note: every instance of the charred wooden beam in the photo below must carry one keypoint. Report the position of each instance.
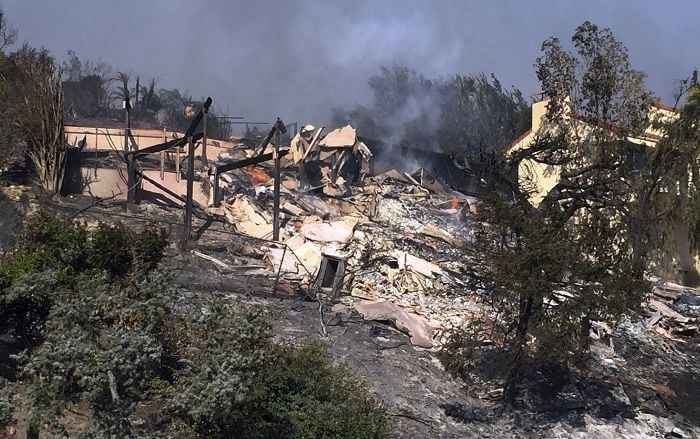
(190, 192)
(130, 179)
(164, 146)
(163, 188)
(205, 161)
(276, 191)
(278, 127)
(198, 118)
(198, 212)
(247, 162)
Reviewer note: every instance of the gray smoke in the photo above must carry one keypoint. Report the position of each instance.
(299, 58)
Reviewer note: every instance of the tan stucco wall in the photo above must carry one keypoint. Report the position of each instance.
(108, 139)
(105, 183)
(179, 187)
(542, 178)
(108, 183)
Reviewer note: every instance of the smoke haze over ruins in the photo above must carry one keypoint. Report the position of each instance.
(298, 59)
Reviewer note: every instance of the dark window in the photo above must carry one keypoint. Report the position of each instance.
(636, 158)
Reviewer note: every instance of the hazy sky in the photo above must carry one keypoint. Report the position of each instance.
(299, 58)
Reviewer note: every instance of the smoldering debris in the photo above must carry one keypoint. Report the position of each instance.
(401, 241)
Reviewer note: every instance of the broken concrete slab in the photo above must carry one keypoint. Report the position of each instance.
(409, 262)
(309, 255)
(665, 293)
(302, 258)
(250, 228)
(292, 209)
(417, 327)
(243, 210)
(334, 231)
(282, 260)
(344, 137)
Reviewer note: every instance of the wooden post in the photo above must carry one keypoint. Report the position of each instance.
(162, 157)
(131, 179)
(276, 206)
(213, 187)
(127, 124)
(204, 139)
(96, 140)
(177, 163)
(190, 191)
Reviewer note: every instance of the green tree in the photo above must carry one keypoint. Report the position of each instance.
(478, 115)
(666, 201)
(8, 34)
(553, 267)
(86, 87)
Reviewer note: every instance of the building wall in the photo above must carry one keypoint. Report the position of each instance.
(541, 178)
(109, 139)
(110, 183)
(105, 183)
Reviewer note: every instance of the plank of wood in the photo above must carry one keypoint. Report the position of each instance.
(668, 312)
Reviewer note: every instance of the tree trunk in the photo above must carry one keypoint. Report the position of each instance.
(518, 352)
(32, 430)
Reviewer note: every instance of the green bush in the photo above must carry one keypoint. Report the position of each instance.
(148, 245)
(6, 407)
(110, 249)
(101, 348)
(111, 346)
(25, 304)
(303, 395)
(458, 352)
(116, 249)
(70, 253)
(238, 383)
(62, 244)
(49, 242)
(18, 263)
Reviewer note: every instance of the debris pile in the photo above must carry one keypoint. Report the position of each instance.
(675, 310)
(332, 163)
(401, 242)
(392, 245)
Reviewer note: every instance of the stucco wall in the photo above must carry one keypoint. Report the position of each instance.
(542, 178)
(108, 139)
(109, 182)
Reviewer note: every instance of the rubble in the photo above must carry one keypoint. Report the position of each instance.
(400, 235)
(403, 241)
(334, 231)
(403, 235)
(676, 310)
(418, 328)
